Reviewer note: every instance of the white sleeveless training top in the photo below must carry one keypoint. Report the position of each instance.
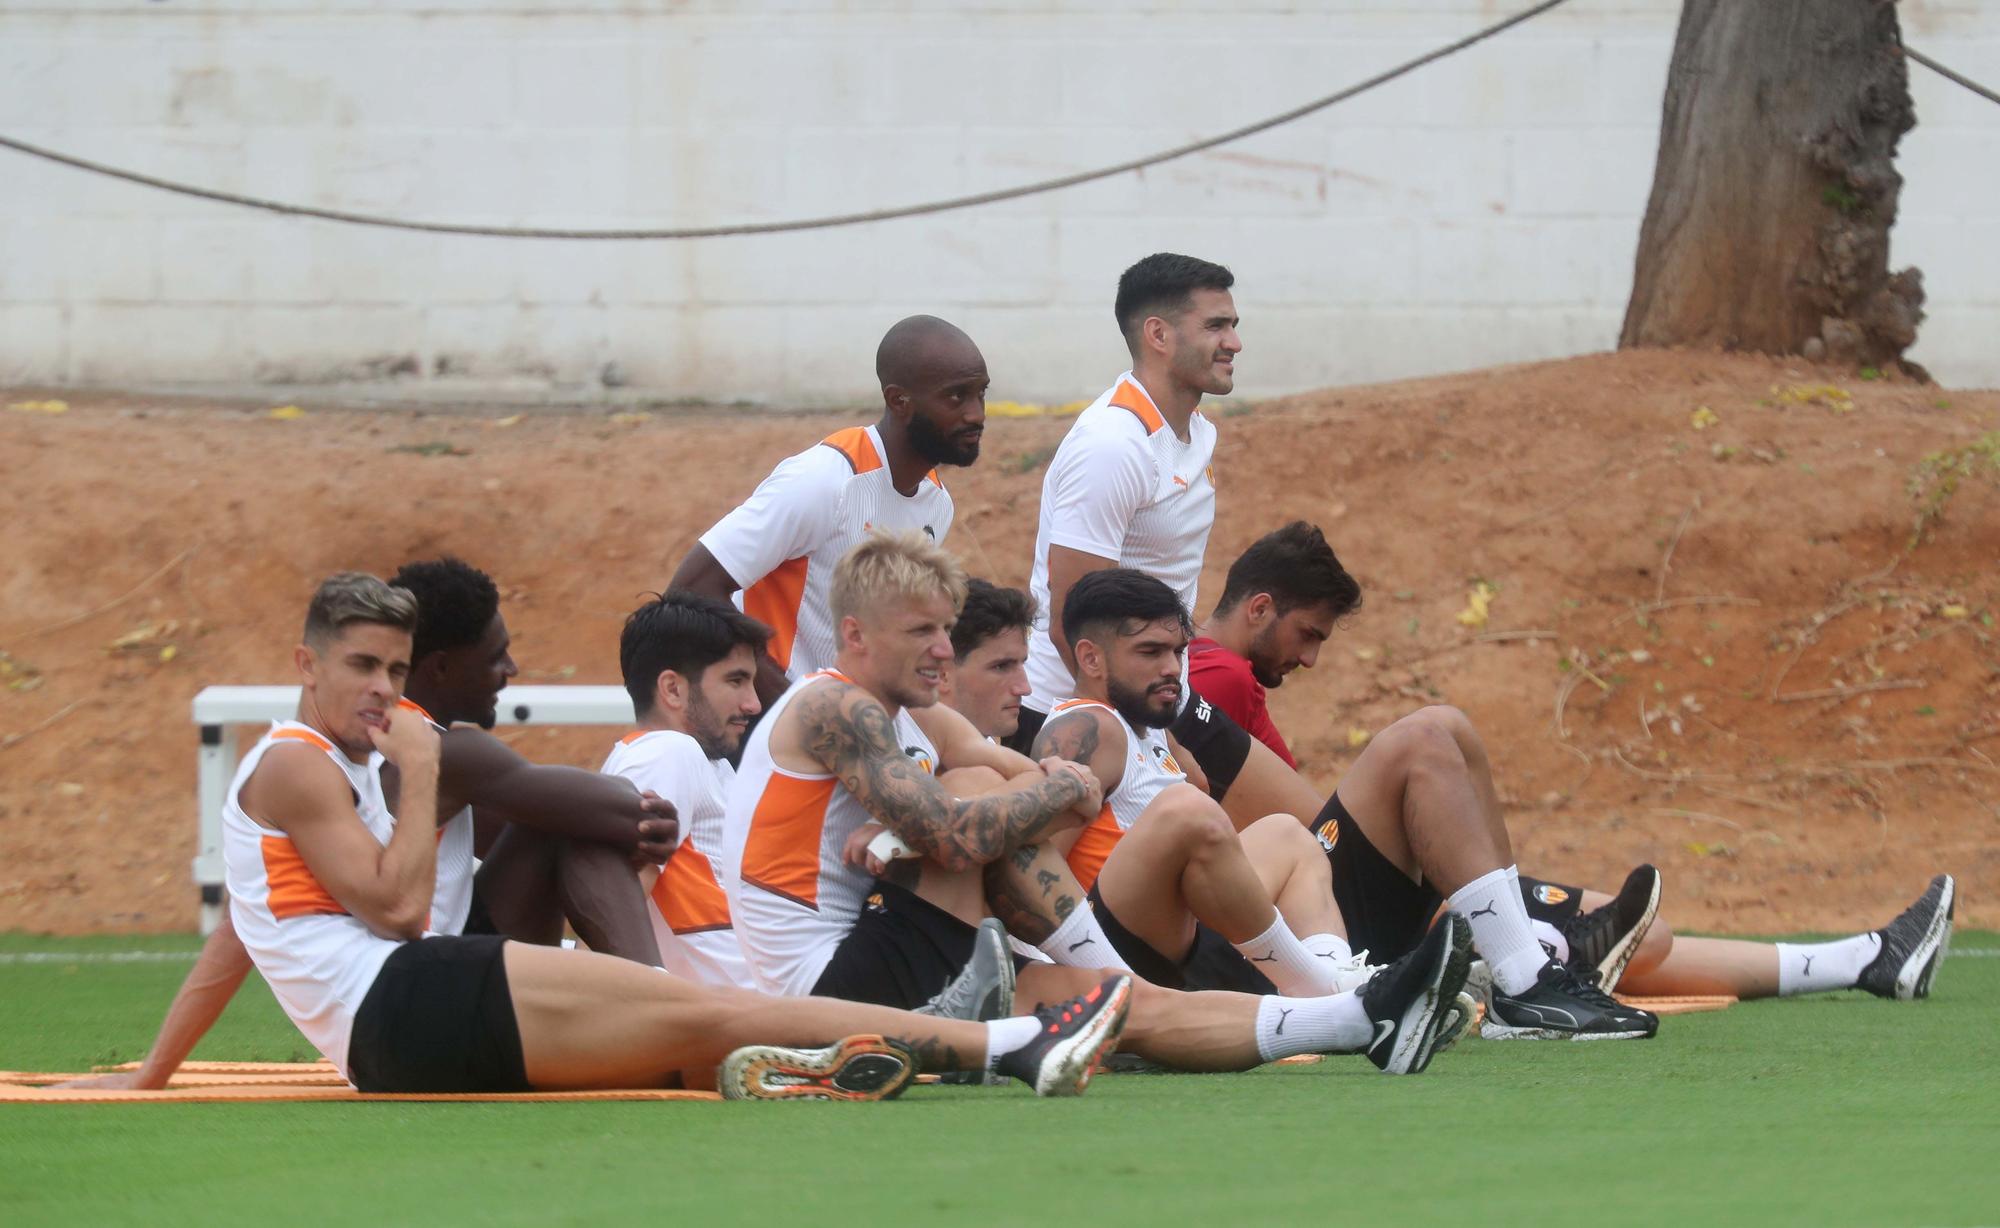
(1149, 770)
(451, 904)
(319, 959)
(792, 898)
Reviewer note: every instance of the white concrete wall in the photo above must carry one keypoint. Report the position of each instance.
(1485, 210)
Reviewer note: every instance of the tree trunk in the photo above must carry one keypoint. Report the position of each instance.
(1776, 185)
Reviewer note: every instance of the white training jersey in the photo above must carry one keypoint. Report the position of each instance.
(690, 910)
(792, 897)
(1122, 486)
(1149, 770)
(319, 959)
(782, 543)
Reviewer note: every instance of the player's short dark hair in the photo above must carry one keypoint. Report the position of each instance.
(1297, 567)
(684, 632)
(455, 603)
(1119, 599)
(1160, 285)
(989, 609)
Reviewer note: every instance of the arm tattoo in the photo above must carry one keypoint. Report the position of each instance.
(853, 736)
(1072, 737)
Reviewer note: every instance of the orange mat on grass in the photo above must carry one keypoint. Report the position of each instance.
(240, 1082)
(1686, 1004)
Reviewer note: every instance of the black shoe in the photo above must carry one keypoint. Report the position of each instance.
(1411, 999)
(1913, 945)
(1075, 1034)
(1602, 942)
(1562, 1006)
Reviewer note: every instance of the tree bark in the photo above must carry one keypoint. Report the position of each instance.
(1776, 185)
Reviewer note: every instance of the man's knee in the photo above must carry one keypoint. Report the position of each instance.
(1193, 818)
(1282, 837)
(1425, 739)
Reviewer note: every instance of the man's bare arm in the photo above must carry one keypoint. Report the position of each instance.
(1066, 567)
(217, 974)
(960, 745)
(848, 732)
(700, 573)
(491, 776)
(1079, 736)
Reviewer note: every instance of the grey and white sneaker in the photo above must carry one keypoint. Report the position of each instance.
(1913, 945)
(982, 991)
(1563, 1006)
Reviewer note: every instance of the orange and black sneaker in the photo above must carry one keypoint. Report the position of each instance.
(1075, 1035)
(858, 1068)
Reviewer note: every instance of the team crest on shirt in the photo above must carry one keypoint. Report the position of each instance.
(1327, 833)
(875, 904)
(923, 758)
(1550, 894)
(1166, 759)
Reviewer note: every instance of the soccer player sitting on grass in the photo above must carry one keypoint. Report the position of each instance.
(332, 896)
(1281, 601)
(833, 755)
(561, 842)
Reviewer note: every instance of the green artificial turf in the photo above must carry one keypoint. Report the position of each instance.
(1838, 1109)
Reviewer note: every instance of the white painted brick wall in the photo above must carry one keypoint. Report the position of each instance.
(1485, 210)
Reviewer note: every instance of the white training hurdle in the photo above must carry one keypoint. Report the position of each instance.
(217, 709)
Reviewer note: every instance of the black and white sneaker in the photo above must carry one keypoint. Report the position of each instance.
(1563, 1006)
(1913, 945)
(1603, 941)
(982, 991)
(1074, 1035)
(1410, 1000)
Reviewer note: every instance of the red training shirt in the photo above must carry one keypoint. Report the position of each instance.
(1224, 679)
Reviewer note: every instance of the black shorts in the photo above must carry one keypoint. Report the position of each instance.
(1211, 962)
(1387, 912)
(901, 951)
(1216, 741)
(479, 918)
(1555, 903)
(439, 1018)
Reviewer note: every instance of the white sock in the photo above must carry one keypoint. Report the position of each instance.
(1815, 967)
(1337, 1023)
(1278, 954)
(1553, 940)
(1330, 947)
(1492, 905)
(1003, 1036)
(1080, 942)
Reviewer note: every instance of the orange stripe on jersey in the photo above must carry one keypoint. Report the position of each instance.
(1093, 847)
(294, 892)
(304, 735)
(781, 854)
(1067, 704)
(774, 601)
(687, 894)
(1128, 397)
(854, 444)
(634, 736)
(412, 705)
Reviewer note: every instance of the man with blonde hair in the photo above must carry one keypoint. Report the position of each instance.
(829, 758)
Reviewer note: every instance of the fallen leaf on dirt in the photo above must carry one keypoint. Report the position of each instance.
(145, 635)
(169, 653)
(509, 420)
(1955, 611)
(69, 788)
(39, 407)
(631, 419)
(286, 413)
(1703, 418)
(1478, 603)
(1357, 736)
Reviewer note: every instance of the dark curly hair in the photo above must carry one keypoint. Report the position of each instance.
(1297, 567)
(989, 609)
(455, 603)
(684, 632)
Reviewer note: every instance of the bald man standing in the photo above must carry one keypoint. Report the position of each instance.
(779, 547)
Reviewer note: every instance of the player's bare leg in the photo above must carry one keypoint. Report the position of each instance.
(1295, 873)
(589, 1021)
(1413, 794)
(532, 882)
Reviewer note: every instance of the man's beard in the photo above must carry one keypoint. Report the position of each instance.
(1136, 707)
(937, 447)
(708, 729)
(1261, 650)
